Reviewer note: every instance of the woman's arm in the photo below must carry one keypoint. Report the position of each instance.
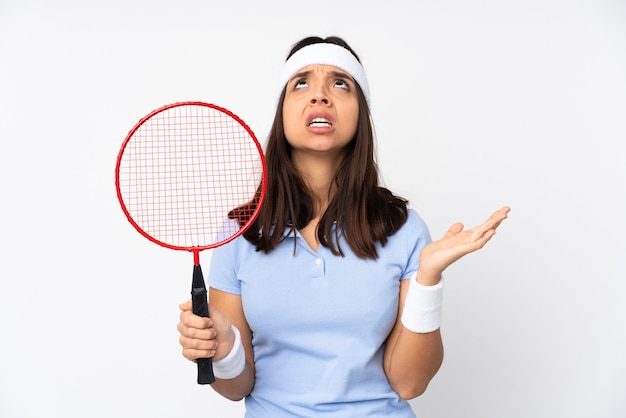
(213, 337)
(412, 359)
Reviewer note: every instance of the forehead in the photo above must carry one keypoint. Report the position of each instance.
(323, 69)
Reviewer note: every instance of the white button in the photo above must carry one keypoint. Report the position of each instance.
(318, 261)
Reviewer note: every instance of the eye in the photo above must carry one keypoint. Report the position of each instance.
(341, 83)
(300, 83)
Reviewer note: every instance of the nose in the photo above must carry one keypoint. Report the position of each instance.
(320, 96)
(323, 100)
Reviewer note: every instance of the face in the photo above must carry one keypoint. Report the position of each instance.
(320, 110)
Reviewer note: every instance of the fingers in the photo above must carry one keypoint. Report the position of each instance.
(457, 242)
(198, 339)
(194, 326)
(195, 349)
(479, 232)
(480, 238)
(498, 216)
(488, 228)
(201, 337)
(197, 336)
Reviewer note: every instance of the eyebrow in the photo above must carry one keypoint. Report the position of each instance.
(338, 74)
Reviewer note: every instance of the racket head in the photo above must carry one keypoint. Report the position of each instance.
(183, 168)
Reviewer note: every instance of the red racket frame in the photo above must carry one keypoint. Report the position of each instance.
(195, 250)
(199, 294)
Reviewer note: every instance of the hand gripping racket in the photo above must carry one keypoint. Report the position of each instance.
(181, 172)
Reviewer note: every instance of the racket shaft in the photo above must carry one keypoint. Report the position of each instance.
(200, 307)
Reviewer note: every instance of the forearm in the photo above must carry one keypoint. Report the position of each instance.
(228, 381)
(414, 350)
(236, 388)
(412, 360)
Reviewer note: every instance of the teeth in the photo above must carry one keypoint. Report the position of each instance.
(320, 121)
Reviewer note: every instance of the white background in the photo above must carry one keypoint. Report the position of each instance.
(476, 104)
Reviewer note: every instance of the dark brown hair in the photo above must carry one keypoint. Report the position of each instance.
(360, 210)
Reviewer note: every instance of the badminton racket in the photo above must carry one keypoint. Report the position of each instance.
(191, 176)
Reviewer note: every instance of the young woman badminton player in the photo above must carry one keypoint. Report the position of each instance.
(330, 304)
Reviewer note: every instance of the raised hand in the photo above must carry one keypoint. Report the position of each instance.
(457, 242)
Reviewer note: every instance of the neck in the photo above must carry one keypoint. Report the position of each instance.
(318, 173)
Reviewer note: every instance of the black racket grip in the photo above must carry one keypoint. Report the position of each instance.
(200, 307)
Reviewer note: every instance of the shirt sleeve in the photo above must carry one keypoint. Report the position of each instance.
(417, 237)
(224, 266)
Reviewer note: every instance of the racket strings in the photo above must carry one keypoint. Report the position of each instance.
(184, 170)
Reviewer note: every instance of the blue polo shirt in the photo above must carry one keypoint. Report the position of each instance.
(319, 323)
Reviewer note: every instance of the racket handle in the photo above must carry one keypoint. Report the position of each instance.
(200, 306)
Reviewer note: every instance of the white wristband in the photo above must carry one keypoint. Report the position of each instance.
(233, 364)
(422, 307)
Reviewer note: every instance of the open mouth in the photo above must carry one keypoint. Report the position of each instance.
(318, 122)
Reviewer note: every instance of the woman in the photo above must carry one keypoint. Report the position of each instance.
(330, 304)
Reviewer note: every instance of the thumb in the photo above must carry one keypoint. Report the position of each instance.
(454, 229)
(186, 306)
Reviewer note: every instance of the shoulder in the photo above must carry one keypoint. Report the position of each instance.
(415, 222)
(414, 233)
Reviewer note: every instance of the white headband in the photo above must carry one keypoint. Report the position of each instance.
(326, 54)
